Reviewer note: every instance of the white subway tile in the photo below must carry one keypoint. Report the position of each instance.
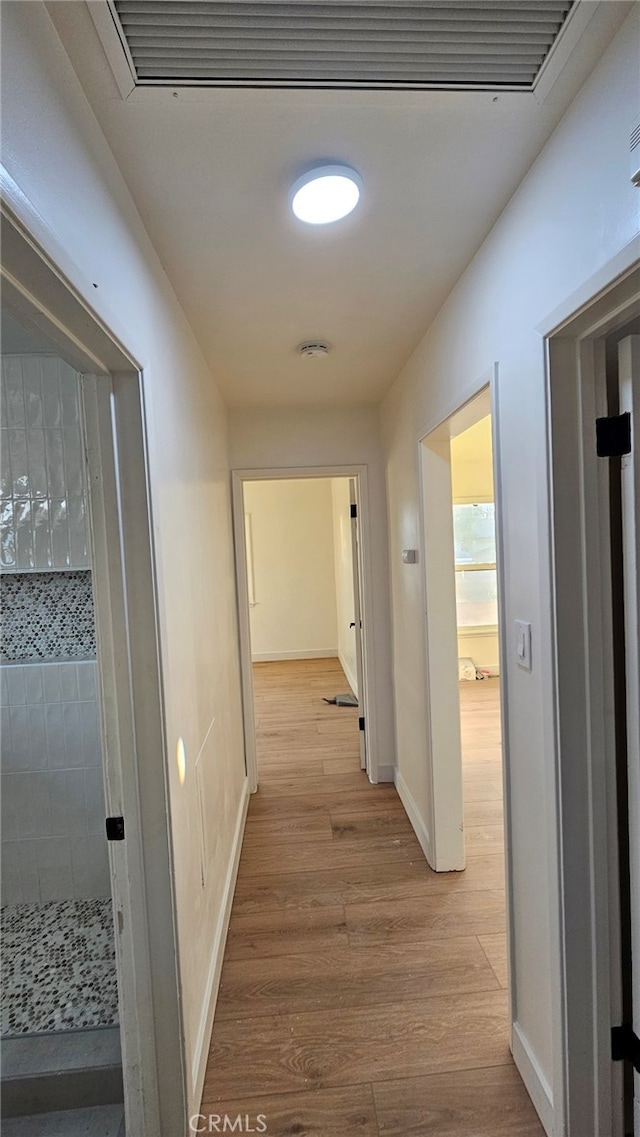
(59, 534)
(36, 457)
(55, 464)
(91, 745)
(25, 805)
(68, 813)
(4, 406)
(90, 867)
(14, 395)
(5, 738)
(68, 682)
(51, 682)
(32, 387)
(87, 679)
(94, 801)
(69, 395)
(72, 735)
(73, 460)
(19, 755)
(9, 798)
(19, 463)
(56, 755)
(51, 392)
(78, 534)
(4, 685)
(37, 737)
(20, 883)
(33, 685)
(6, 481)
(15, 685)
(24, 535)
(42, 556)
(7, 536)
(55, 870)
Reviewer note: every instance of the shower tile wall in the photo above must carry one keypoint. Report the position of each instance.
(43, 521)
(53, 839)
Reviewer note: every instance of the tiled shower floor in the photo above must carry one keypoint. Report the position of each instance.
(58, 966)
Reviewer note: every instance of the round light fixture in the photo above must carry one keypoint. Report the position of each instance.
(325, 194)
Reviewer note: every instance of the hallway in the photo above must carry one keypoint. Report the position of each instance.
(358, 993)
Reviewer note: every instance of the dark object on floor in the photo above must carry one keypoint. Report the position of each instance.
(343, 701)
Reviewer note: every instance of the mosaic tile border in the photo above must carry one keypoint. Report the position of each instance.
(46, 615)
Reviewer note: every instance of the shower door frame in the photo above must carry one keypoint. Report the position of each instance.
(130, 679)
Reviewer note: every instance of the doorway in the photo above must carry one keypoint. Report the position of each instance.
(347, 577)
(135, 890)
(303, 571)
(593, 376)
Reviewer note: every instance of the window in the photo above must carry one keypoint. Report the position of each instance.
(474, 539)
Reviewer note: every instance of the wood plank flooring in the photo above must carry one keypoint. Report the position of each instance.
(361, 992)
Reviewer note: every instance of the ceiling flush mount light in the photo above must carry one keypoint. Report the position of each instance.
(325, 194)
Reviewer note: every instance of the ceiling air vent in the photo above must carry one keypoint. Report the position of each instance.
(343, 44)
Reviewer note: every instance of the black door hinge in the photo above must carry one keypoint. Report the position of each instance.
(353, 510)
(625, 1045)
(361, 724)
(613, 436)
(115, 828)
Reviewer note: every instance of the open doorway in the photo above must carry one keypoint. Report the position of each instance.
(303, 594)
(93, 1035)
(59, 1005)
(463, 636)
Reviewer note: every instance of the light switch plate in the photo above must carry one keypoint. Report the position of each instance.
(523, 644)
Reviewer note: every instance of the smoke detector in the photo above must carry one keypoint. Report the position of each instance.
(313, 349)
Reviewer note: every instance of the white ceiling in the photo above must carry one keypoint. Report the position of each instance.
(210, 169)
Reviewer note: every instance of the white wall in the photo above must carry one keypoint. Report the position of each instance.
(574, 212)
(56, 154)
(268, 439)
(293, 615)
(472, 481)
(343, 566)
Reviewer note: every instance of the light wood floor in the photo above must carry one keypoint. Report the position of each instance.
(361, 992)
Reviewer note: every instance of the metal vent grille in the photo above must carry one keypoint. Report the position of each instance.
(341, 43)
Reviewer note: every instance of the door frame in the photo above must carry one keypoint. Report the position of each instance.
(128, 654)
(580, 690)
(359, 474)
(443, 841)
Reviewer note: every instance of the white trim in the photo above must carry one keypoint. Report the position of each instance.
(537, 1085)
(371, 713)
(413, 813)
(132, 715)
(349, 672)
(203, 1038)
(477, 630)
(582, 699)
(114, 45)
(310, 653)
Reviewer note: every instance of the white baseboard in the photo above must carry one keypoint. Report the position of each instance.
(201, 1048)
(386, 773)
(413, 813)
(352, 679)
(537, 1085)
(312, 653)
